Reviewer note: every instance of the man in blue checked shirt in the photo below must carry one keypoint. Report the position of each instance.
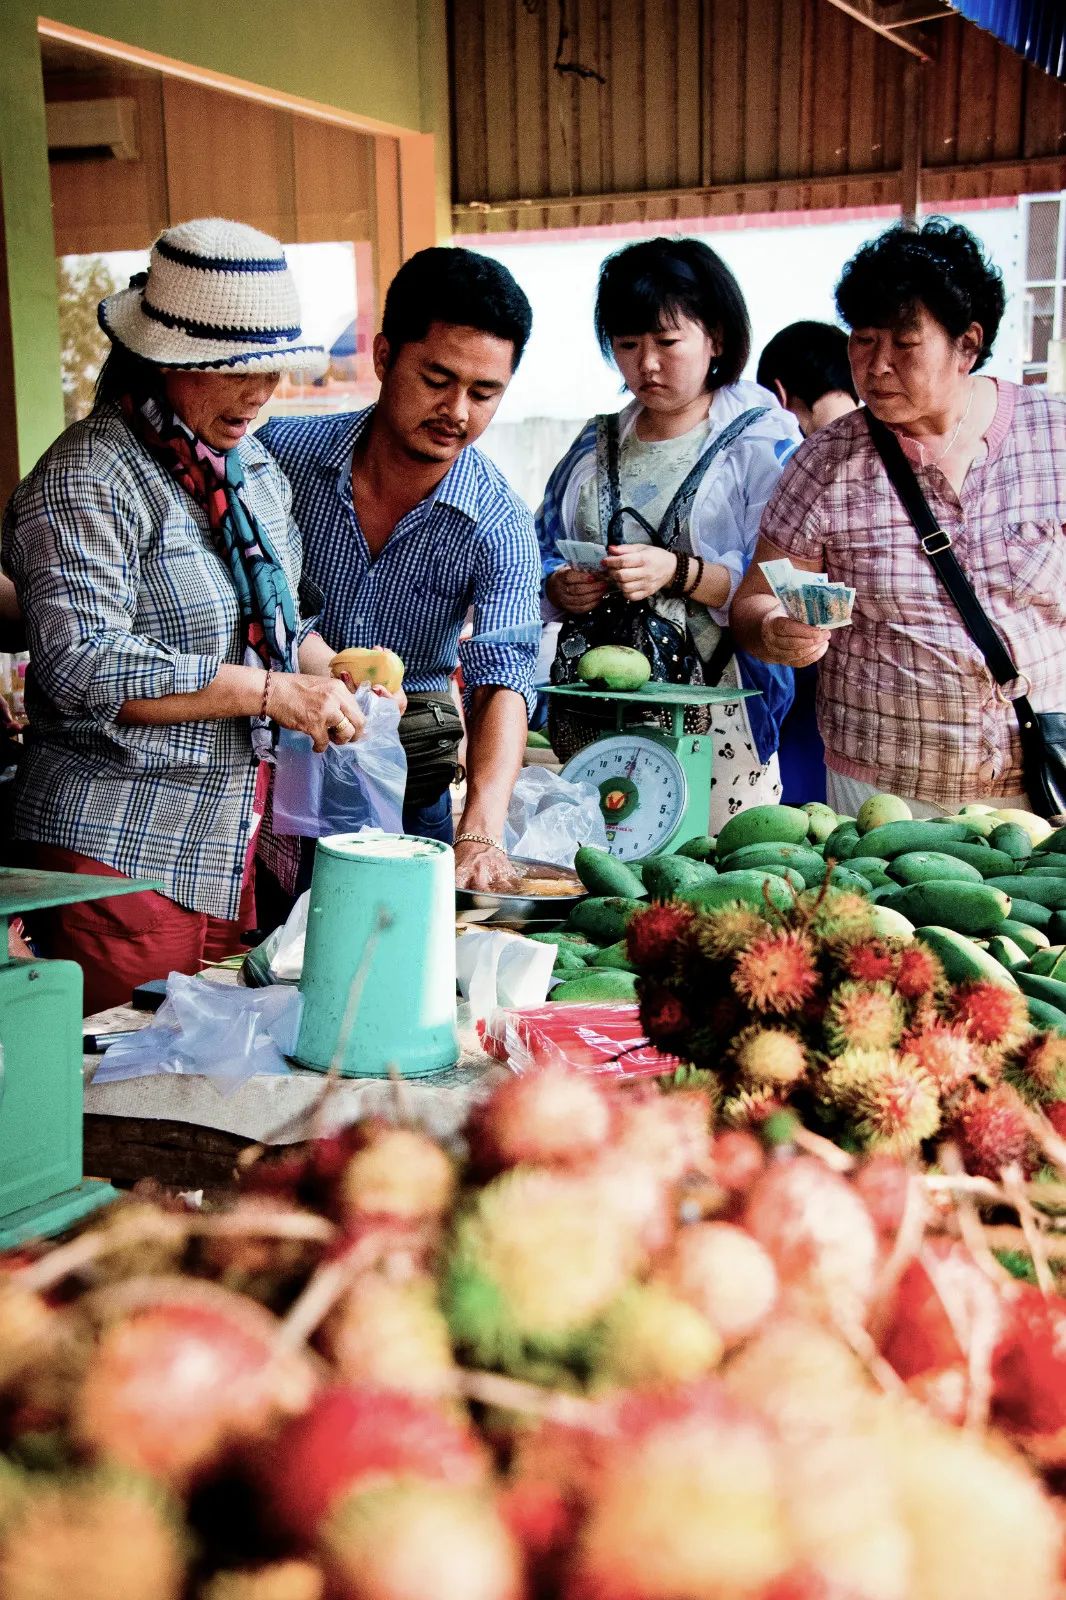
(406, 527)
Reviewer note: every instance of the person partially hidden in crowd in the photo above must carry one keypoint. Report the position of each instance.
(157, 566)
(906, 704)
(407, 528)
(806, 365)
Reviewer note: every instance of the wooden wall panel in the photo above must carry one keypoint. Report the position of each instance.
(720, 106)
(127, 199)
(228, 157)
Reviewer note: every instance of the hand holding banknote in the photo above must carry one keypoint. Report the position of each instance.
(811, 607)
(790, 643)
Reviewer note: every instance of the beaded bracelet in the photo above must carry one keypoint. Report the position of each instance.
(677, 583)
(700, 566)
(266, 692)
(477, 838)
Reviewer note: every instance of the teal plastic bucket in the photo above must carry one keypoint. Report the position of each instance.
(381, 921)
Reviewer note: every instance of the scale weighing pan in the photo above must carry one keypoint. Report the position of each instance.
(654, 783)
(485, 908)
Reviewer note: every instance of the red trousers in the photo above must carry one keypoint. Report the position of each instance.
(130, 938)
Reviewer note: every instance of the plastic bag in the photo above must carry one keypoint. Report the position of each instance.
(215, 1030)
(346, 786)
(549, 818)
(501, 969)
(604, 1039)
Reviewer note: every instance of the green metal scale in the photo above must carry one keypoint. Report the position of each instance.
(654, 783)
(42, 1190)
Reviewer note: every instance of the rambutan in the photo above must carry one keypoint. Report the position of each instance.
(1038, 1068)
(993, 1132)
(687, 1503)
(1029, 1374)
(549, 1117)
(870, 961)
(948, 1053)
(729, 930)
(919, 973)
(845, 1521)
(769, 1056)
(800, 1373)
(737, 1159)
(101, 1536)
(725, 1274)
(653, 936)
(668, 1134)
(888, 1187)
(279, 1580)
(819, 1236)
(662, 1014)
(534, 1263)
(397, 1172)
(352, 1438)
(863, 1016)
(945, 1306)
(893, 1105)
(406, 1541)
(995, 1015)
(750, 1108)
(652, 1335)
(776, 973)
(841, 917)
(392, 1334)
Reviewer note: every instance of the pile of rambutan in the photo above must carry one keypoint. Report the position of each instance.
(862, 1036)
(603, 1347)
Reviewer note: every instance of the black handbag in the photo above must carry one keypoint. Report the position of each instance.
(1043, 733)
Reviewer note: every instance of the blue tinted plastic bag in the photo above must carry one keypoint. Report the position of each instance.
(346, 786)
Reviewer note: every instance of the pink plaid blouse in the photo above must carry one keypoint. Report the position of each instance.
(905, 701)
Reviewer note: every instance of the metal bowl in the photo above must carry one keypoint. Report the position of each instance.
(532, 912)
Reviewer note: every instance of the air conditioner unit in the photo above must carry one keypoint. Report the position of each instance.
(81, 129)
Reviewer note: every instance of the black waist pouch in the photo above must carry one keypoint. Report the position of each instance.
(431, 731)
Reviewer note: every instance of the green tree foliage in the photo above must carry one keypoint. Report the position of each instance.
(83, 283)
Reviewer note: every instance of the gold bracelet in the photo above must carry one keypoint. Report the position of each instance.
(477, 838)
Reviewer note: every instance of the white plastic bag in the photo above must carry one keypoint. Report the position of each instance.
(216, 1030)
(549, 818)
(346, 786)
(501, 969)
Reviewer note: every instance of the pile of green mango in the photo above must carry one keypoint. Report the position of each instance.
(985, 889)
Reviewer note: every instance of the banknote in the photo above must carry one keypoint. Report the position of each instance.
(809, 596)
(581, 553)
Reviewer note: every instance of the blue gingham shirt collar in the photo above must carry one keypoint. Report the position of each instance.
(458, 488)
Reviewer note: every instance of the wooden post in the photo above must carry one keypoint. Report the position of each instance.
(911, 164)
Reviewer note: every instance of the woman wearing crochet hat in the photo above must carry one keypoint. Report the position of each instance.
(157, 566)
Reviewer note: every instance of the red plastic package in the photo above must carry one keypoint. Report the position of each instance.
(593, 1038)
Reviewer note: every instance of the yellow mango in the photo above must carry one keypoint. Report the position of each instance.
(359, 665)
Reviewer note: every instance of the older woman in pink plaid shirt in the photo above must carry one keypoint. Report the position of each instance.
(906, 704)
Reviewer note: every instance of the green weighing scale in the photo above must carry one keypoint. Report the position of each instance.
(654, 783)
(42, 1189)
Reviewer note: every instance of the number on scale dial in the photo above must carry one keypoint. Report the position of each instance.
(642, 787)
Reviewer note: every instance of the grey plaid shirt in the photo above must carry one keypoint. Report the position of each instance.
(126, 597)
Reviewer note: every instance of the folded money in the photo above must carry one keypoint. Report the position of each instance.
(809, 596)
(581, 554)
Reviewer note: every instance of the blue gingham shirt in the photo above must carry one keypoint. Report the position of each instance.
(127, 597)
(469, 544)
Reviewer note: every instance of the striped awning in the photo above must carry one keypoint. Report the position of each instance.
(1035, 28)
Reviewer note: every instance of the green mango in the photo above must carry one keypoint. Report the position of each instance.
(763, 825)
(614, 666)
(603, 874)
(1012, 840)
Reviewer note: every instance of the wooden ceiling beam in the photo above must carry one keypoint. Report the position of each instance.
(887, 21)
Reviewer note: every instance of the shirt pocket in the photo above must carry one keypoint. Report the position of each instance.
(1036, 564)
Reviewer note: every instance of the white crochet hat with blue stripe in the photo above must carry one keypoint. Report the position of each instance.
(218, 297)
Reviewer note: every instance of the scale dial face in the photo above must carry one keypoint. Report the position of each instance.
(643, 791)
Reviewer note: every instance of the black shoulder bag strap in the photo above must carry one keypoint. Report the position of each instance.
(937, 546)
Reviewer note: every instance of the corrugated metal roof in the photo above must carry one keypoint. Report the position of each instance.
(1035, 28)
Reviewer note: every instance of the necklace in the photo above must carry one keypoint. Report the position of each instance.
(936, 460)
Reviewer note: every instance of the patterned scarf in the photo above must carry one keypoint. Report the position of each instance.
(215, 481)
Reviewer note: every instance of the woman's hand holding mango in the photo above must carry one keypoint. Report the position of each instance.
(325, 708)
